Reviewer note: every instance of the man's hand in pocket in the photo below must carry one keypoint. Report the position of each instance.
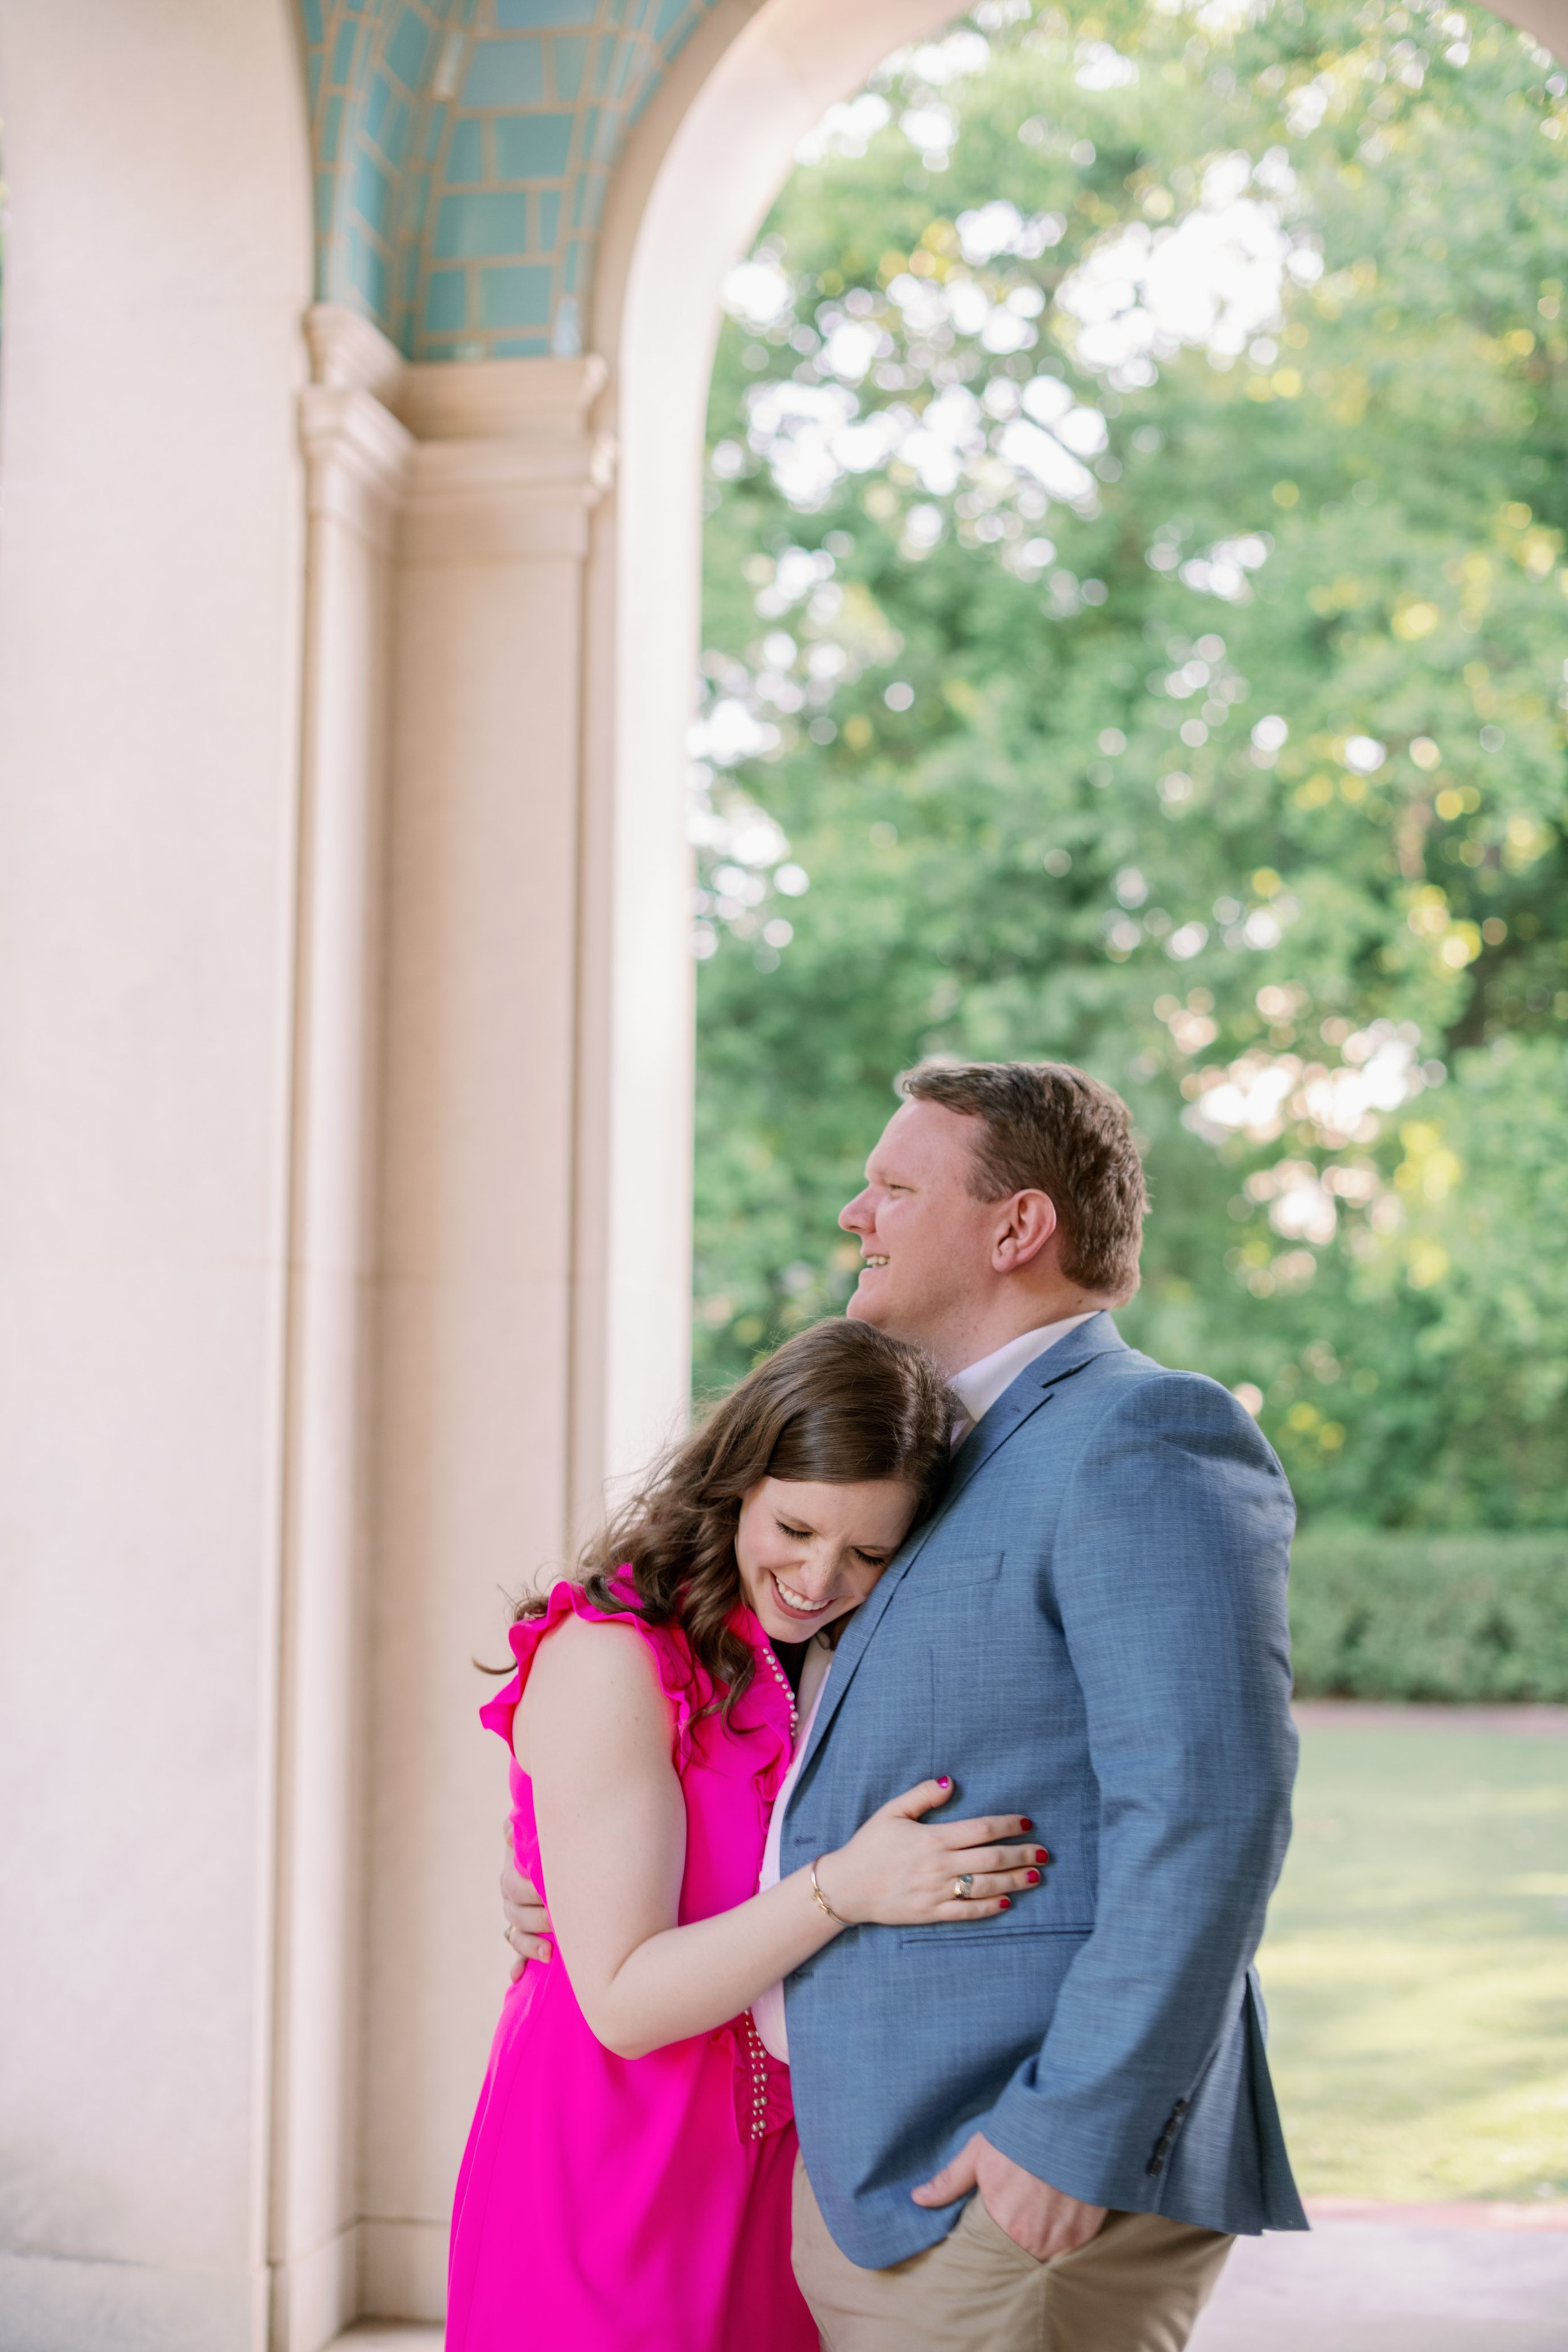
(1036, 2217)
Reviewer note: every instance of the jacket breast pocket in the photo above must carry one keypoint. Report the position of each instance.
(939, 1577)
(964, 1939)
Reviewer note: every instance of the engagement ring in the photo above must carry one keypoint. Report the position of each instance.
(964, 1887)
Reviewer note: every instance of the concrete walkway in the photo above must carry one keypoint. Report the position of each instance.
(1521, 1720)
(1435, 2279)
(1438, 2279)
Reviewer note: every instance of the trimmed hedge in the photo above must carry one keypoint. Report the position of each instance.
(1477, 1617)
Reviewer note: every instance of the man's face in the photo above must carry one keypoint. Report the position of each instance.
(925, 1240)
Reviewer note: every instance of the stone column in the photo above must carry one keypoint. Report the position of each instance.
(482, 925)
(157, 263)
(357, 458)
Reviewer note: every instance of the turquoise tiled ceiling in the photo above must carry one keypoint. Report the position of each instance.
(462, 150)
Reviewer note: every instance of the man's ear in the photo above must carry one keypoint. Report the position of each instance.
(1028, 1222)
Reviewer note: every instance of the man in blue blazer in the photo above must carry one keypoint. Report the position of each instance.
(1092, 1631)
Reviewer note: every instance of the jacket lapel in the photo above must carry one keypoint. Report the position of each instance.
(1013, 1408)
(1015, 1405)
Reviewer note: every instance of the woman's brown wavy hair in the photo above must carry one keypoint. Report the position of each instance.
(839, 1404)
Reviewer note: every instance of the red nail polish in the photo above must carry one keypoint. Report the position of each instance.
(1007, 1903)
(943, 1781)
(1027, 1822)
(1040, 1855)
(1033, 1876)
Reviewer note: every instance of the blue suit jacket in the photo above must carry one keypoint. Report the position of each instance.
(1090, 1631)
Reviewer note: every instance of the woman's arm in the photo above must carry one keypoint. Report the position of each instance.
(592, 1733)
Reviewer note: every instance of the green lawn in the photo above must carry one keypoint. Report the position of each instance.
(1415, 1966)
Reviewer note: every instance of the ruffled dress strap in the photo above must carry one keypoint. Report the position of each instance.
(681, 1679)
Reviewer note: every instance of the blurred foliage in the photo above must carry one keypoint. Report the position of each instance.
(1135, 625)
(1387, 1616)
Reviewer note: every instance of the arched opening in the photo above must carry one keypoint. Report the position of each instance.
(1322, 630)
(1181, 337)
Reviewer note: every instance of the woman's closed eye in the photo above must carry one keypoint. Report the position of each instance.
(807, 1535)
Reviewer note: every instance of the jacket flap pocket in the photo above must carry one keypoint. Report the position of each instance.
(955, 1936)
(941, 1574)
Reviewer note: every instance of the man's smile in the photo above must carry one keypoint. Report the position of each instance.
(868, 1261)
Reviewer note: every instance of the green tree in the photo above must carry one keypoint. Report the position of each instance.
(1135, 623)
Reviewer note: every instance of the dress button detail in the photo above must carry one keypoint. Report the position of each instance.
(757, 2056)
(783, 1680)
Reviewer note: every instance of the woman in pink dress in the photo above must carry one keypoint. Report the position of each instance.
(626, 2182)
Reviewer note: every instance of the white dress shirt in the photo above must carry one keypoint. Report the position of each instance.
(977, 1388)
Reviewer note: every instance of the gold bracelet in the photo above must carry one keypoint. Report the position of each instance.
(821, 1900)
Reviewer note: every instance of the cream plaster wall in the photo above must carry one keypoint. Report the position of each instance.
(150, 588)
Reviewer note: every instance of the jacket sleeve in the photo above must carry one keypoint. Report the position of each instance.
(1168, 1573)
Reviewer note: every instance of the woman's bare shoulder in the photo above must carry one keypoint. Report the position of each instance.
(612, 1648)
(594, 1681)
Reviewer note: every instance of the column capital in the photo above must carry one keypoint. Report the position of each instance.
(351, 435)
(357, 453)
(507, 464)
(349, 353)
(487, 460)
(497, 400)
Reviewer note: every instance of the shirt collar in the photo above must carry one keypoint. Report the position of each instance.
(978, 1386)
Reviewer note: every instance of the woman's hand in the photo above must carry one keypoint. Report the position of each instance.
(527, 1923)
(897, 1871)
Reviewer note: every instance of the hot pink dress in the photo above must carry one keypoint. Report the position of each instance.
(614, 2204)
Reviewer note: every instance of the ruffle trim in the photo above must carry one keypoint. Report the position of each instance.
(680, 1678)
(760, 1718)
(761, 1715)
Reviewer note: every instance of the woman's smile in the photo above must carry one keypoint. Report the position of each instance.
(800, 1604)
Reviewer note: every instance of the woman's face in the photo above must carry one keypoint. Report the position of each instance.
(809, 1553)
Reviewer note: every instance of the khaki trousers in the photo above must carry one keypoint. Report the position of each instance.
(1137, 2287)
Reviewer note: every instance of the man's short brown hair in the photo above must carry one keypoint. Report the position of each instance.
(1050, 1128)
